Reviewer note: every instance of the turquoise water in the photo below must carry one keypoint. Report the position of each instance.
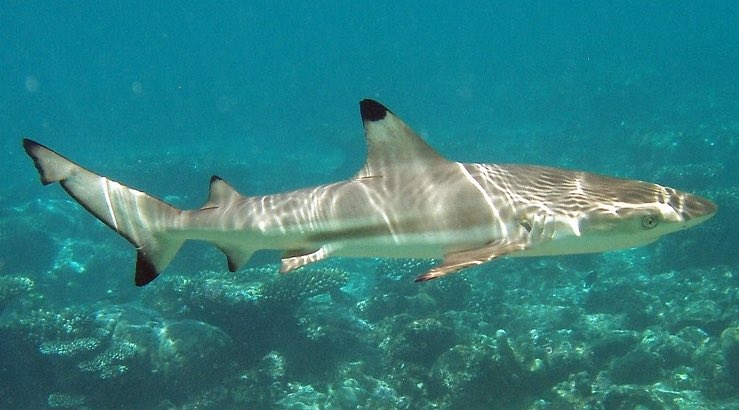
(161, 97)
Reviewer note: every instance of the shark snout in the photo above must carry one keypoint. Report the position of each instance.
(694, 208)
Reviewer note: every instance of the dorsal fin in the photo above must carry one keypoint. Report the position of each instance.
(220, 193)
(391, 143)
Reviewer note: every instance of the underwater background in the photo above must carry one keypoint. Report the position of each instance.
(264, 94)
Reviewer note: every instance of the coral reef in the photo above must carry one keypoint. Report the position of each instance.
(551, 337)
(541, 339)
(119, 344)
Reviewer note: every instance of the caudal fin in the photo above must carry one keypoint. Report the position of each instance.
(140, 218)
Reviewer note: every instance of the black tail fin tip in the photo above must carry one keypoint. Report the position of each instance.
(140, 218)
(32, 148)
(28, 144)
(145, 270)
(51, 166)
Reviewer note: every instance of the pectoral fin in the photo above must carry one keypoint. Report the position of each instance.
(294, 259)
(457, 261)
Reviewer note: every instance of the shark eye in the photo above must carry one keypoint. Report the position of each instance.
(649, 221)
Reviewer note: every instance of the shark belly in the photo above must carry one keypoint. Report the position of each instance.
(414, 245)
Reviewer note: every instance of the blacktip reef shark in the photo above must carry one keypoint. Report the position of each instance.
(407, 201)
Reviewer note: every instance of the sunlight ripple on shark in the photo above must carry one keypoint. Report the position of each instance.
(406, 202)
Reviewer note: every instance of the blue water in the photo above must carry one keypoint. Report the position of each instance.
(163, 96)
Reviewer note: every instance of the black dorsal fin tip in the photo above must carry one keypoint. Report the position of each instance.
(371, 110)
(215, 178)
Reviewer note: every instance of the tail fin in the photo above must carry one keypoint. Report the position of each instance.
(140, 218)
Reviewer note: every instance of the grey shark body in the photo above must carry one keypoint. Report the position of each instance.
(406, 202)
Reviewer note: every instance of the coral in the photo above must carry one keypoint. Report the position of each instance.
(730, 350)
(297, 286)
(181, 352)
(27, 222)
(705, 314)
(348, 394)
(13, 286)
(272, 366)
(401, 271)
(176, 295)
(451, 293)
(485, 373)
(623, 298)
(711, 369)
(355, 383)
(66, 401)
(111, 362)
(40, 325)
(69, 347)
(122, 345)
(576, 390)
(631, 398)
(613, 343)
(672, 350)
(422, 341)
(383, 305)
(302, 397)
(211, 296)
(637, 367)
(185, 351)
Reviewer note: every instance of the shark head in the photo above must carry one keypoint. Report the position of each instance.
(569, 212)
(641, 214)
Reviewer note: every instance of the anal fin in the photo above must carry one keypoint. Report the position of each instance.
(456, 261)
(236, 257)
(294, 259)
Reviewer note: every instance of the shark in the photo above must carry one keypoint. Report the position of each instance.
(407, 201)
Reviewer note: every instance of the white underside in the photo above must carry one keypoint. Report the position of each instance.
(421, 245)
